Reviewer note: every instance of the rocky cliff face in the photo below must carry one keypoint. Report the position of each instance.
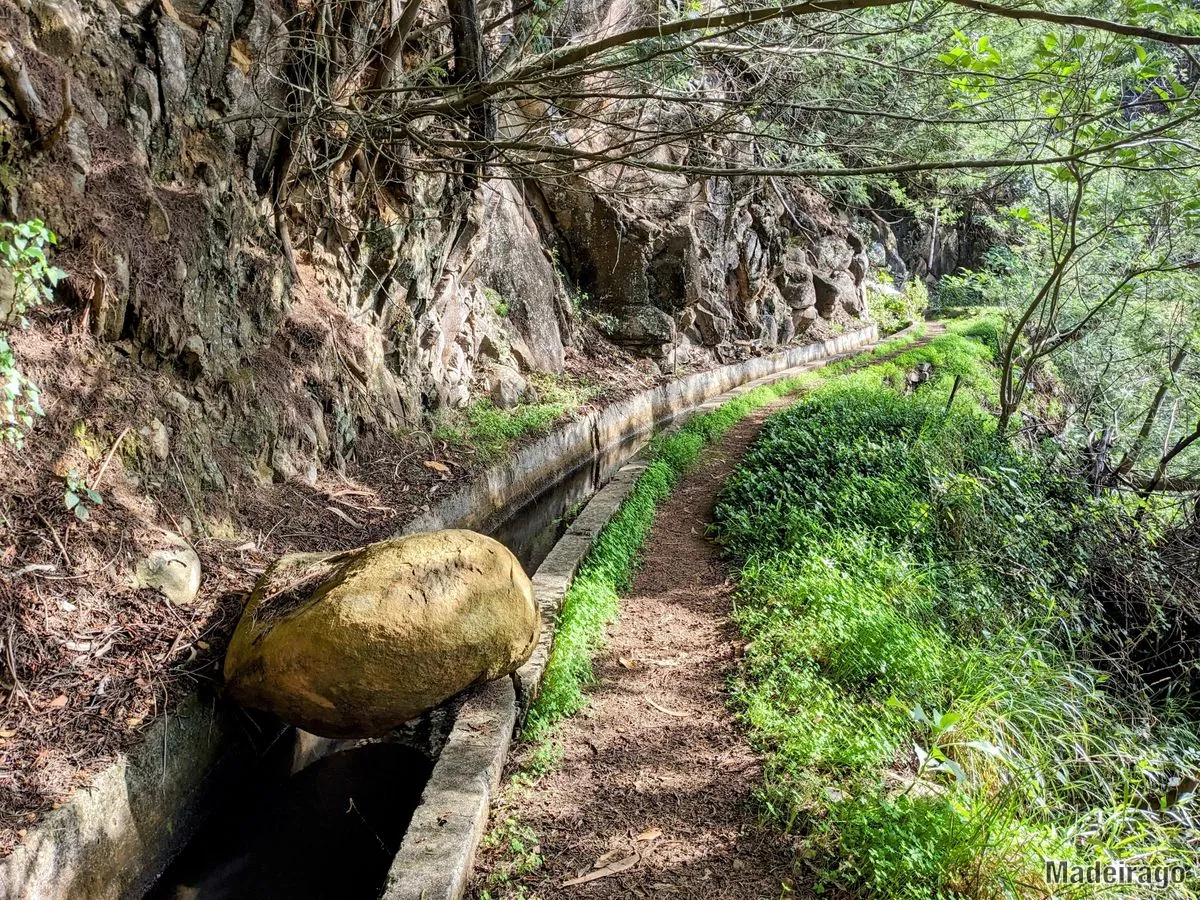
(284, 326)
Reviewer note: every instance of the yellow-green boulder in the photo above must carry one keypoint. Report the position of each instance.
(352, 644)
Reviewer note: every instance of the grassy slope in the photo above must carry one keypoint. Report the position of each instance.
(918, 672)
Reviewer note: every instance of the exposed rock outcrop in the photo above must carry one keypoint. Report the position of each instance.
(352, 644)
(292, 313)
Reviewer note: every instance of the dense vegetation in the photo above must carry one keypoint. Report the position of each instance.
(929, 672)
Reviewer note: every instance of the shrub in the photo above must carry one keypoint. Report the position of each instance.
(23, 252)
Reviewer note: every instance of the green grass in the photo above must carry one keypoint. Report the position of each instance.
(920, 671)
(490, 431)
(594, 600)
(594, 597)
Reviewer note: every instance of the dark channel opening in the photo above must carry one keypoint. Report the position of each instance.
(329, 830)
(532, 530)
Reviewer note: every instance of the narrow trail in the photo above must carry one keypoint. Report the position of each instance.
(656, 773)
(654, 785)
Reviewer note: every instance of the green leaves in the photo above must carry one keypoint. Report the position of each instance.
(78, 496)
(978, 61)
(919, 676)
(23, 252)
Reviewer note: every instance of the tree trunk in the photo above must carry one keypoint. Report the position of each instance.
(1129, 460)
(471, 68)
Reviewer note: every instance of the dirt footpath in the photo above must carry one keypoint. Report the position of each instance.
(652, 796)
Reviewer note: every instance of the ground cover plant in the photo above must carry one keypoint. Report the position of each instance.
(926, 672)
(489, 431)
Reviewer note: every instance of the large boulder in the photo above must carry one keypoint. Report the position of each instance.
(860, 265)
(713, 320)
(833, 253)
(796, 283)
(353, 644)
(514, 264)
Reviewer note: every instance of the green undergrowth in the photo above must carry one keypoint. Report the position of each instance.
(922, 672)
(608, 571)
(489, 431)
(593, 598)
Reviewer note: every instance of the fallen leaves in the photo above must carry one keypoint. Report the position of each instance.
(669, 712)
(613, 862)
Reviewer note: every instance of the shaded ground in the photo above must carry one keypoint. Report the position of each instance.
(656, 777)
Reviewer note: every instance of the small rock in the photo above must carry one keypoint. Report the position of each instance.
(506, 386)
(177, 403)
(159, 439)
(803, 318)
(61, 27)
(859, 266)
(173, 572)
(282, 466)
